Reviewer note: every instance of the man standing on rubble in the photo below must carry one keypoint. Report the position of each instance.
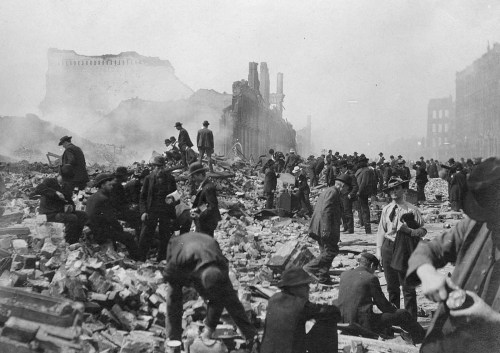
(184, 142)
(287, 313)
(195, 259)
(205, 142)
(73, 155)
(154, 209)
(291, 161)
(270, 183)
(57, 203)
(473, 246)
(205, 210)
(102, 219)
(364, 178)
(325, 229)
(348, 196)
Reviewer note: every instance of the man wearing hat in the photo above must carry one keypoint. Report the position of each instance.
(302, 191)
(123, 208)
(184, 142)
(359, 289)
(421, 180)
(195, 259)
(312, 163)
(473, 247)
(57, 203)
(292, 160)
(287, 313)
(205, 210)
(391, 247)
(102, 219)
(73, 155)
(154, 209)
(347, 196)
(205, 143)
(325, 229)
(364, 177)
(172, 152)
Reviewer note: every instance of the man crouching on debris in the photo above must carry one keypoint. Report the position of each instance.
(287, 313)
(102, 218)
(325, 229)
(57, 203)
(196, 259)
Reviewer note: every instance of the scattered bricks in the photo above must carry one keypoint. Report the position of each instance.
(75, 289)
(12, 218)
(6, 241)
(48, 249)
(107, 317)
(127, 319)
(20, 330)
(92, 307)
(99, 284)
(15, 231)
(97, 297)
(51, 230)
(28, 262)
(155, 299)
(20, 246)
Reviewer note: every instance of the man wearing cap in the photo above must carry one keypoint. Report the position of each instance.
(292, 160)
(154, 209)
(102, 219)
(473, 247)
(205, 143)
(287, 313)
(364, 177)
(57, 203)
(73, 155)
(196, 259)
(359, 289)
(205, 210)
(124, 210)
(184, 142)
(392, 249)
(325, 229)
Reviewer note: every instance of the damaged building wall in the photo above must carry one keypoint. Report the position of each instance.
(255, 120)
(304, 140)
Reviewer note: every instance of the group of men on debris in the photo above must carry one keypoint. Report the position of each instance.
(196, 258)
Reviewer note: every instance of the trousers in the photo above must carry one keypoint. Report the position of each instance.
(320, 266)
(208, 152)
(364, 216)
(73, 224)
(269, 200)
(347, 215)
(165, 231)
(400, 318)
(103, 233)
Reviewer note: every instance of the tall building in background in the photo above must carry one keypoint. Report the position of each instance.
(440, 141)
(478, 106)
(304, 141)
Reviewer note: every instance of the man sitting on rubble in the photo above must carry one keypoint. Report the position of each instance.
(359, 289)
(124, 211)
(102, 218)
(57, 203)
(287, 313)
(196, 259)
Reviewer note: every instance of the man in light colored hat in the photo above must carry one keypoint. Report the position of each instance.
(73, 155)
(205, 209)
(292, 160)
(154, 209)
(184, 142)
(287, 313)
(102, 219)
(302, 191)
(472, 246)
(205, 142)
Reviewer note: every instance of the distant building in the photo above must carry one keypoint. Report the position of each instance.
(304, 141)
(255, 117)
(478, 106)
(440, 141)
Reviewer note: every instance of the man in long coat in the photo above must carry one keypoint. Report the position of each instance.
(205, 142)
(364, 177)
(73, 156)
(184, 141)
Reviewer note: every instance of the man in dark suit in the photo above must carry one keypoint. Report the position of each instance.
(102, 219)
(325, 229)
(205, 142)
(359, 289)
(184, 142)
(205, 210)
(73, 155)
(155, 210)
(364, 178)
(347, 196)
(270, 182)
(125, 211)
(57, 203)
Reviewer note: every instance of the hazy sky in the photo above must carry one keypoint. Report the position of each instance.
(388, 56)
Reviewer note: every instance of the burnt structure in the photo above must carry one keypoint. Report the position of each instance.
(440, 142)
(304, 140)
(255, 116)
(478, 106)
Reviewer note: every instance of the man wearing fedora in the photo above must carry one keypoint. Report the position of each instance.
(359, 290)
(123, 208)
(184, 141)
(205, 208)
(102, 219)
(73, 155)
(392, 250)
(364, 177)
(287, 313)
(195, 259)
(473, 246)
(57, 204)
(154, 209)
(205, 143)
(325, 229)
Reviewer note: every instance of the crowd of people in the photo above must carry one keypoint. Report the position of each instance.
(149, 198)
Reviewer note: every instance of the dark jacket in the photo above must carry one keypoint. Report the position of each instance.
(294, 311)
(325, 221)
(133, 191)
(291, 161)
(432, 170)
(330, 174)
(320, 165)
(358, 291)
(270, 181)
(50, 202)
(146, 197)
(183, 140)
(118, 198)
(387, 174)
(207, 195)
(100, 212)
(457, 186)
(205, 139)
(350, 188)
(73, 155)
(421, 177)
(364, 178)
(190, 252)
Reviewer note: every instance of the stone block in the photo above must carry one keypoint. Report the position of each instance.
(20, 246)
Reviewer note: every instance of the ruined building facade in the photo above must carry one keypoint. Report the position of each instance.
(255, 117)
(440, 142)
(304, 139)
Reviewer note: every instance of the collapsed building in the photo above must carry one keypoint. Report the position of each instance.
(255, 116)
